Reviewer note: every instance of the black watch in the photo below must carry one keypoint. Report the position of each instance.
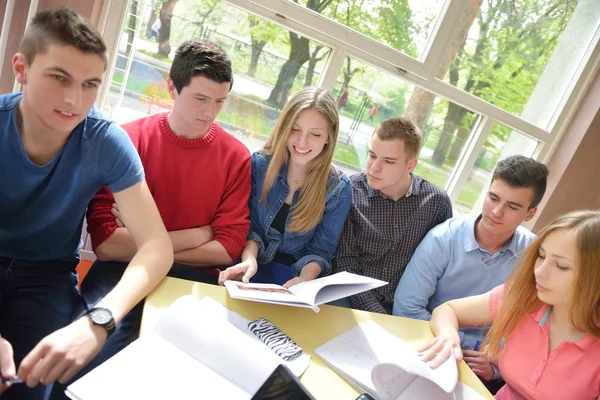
(102, 317)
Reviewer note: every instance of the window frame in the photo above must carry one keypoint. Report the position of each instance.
(344, 41)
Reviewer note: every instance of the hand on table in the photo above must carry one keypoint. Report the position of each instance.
(438, 350)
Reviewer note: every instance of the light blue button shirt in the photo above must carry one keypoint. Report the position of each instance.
(449, 264)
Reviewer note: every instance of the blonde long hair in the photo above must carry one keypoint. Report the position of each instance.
(307, 213)
(583, 303)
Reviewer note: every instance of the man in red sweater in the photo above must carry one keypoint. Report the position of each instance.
(199, 176)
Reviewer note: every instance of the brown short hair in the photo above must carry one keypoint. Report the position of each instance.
(403, 129)
(200, 58)
(63, 26)
(523, 172)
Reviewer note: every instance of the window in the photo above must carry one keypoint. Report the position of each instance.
(475, 76)
(521, 55)
(503, 142)
(259, 49)
(373, 95)
(402, 25)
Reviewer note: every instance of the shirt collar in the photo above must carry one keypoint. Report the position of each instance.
(283, 174)
(470, 243)
(542, 316)
(413, 189)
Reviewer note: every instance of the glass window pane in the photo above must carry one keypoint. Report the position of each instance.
(266, 70)
(521, 55)
(372, 95)
(403, 25)
(501, 143)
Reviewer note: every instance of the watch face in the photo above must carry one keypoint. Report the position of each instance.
(100, 316)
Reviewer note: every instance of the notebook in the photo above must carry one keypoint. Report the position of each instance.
(197, 350)
(378, 363)
(305, 294)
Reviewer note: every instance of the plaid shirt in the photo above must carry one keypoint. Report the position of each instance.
(381, 235)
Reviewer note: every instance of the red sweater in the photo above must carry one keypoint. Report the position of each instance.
(194, 182)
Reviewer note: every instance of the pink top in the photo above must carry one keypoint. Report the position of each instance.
(570, 371)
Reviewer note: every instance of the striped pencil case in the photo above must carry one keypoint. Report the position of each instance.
(275, 339)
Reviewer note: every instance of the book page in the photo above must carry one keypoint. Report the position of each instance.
(334, 287)
(265, 293)
(153, 369)
(305, 294)
(212, 309)
(217, 344)
(393, 383)
(359, 350)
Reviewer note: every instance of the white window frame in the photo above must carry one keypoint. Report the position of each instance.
(344, 41)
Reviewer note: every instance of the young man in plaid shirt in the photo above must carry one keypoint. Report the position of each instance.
(392, 211)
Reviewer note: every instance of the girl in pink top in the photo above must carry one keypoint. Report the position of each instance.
(545, 332)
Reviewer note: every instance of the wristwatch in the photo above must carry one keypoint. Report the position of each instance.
(104, 318)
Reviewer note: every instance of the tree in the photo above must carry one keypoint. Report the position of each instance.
(164, 33)
(299, 54)
(151, 20)
(513, 47)
(421, 101)
(389, 21)
(348, 72)
(312, 63)
(205, 14)
(261, 33)
(257, 46)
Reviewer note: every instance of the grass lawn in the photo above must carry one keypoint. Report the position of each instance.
(434, 176)
(133, 84)
(469, 193)
(346, 154)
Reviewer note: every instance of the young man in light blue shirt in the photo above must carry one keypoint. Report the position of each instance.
(467, 256)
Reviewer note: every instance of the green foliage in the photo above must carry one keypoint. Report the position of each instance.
(396, 25)
(516, 40)
(346, 154)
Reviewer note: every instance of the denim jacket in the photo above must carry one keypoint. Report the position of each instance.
(319, 244)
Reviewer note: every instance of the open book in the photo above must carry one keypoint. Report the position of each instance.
(378, 363)
(198, 350)
(305, 294)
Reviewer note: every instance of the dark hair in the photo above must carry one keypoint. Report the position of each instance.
(523, 172)
(63, 26)
(200, 58)
(403, 129)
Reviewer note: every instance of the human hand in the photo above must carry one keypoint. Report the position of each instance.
(242, 271)
(439, 349)
(479, 364)
(115, 212)
(295, 281)
(7, 363)
(60, 355)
